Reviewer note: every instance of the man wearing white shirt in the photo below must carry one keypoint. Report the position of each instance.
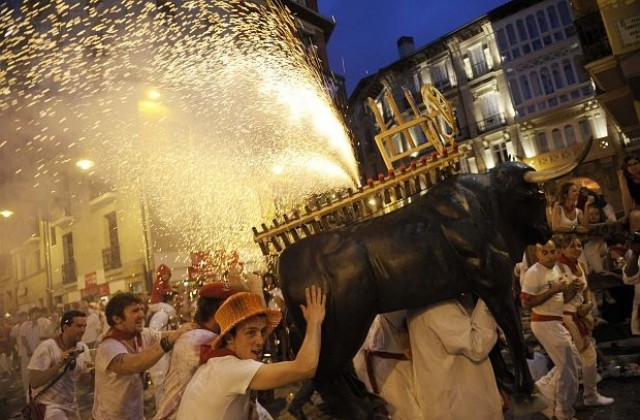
(545, 291)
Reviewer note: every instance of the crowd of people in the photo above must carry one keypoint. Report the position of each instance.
(207, 359)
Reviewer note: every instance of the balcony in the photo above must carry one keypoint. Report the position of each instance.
(111, 258)
(60, 215)
(69, 272)
(494, 121)
(479, 69)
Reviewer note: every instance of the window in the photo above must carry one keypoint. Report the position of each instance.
(515, 91)
(553, 17)
(440, 77)
(522, 33)
(565, 15)
(535, 82)
(557, 77)
(557, 139)
(543, 144)
(531, 27)
(502, 41)
(569, 135)
(511, 34)
(585, 130)
(526, 90)
(542, 21)
(547, 85)
(478, 62)
(54, 238)
(500, 153)
(489, 105)
(568, 72)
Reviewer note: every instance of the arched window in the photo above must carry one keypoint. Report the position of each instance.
(557, 76)
(502, 41)
(542, 21)
(522, 33)
(553, 17)
(585, 129)
(569, 135)
(543, 144)
(531, 27)
(526, 90)
(568, 72)
(511, 34)
(565, 15)
(557, 139)
(515, 91)
(535, 83)
(547, 85)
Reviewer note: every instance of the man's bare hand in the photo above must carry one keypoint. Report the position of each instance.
(315, 309)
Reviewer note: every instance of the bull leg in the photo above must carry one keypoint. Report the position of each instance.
(345, 396)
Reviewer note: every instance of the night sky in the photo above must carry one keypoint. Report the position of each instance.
(364, 39)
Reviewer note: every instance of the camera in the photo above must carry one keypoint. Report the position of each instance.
(71, 362)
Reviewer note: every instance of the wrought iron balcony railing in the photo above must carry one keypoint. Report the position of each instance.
(111, 258)
(69, 272)
(494, 121)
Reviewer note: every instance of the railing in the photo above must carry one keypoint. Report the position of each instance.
(494, 121)
(111, 258)
(479, 69)
(69, 272)
(375, 198)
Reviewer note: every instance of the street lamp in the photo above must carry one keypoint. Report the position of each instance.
(85, 164)
(6, 213)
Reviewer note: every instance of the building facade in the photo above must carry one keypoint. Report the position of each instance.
(81, 239)
(516, 80)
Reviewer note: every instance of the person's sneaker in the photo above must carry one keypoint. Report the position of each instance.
(598, 401)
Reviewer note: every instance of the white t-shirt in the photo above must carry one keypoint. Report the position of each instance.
(578, 299)
(219, 390)
(185, 359)
(62, 394)
(275, 292)
(537, 280)
(119, 397)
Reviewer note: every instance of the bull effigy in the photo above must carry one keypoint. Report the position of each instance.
(463, 235)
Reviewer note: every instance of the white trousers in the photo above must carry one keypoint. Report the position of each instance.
(561, 383)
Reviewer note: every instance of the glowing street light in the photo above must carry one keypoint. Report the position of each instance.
(153, 94)
(6, 213)
(85, 164)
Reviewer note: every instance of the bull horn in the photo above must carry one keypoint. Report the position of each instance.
(538, 177)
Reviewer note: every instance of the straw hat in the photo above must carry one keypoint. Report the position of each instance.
(239, 307)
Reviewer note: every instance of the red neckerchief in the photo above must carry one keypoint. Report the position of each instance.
(120, 335)
(206, 353)
(573, 265)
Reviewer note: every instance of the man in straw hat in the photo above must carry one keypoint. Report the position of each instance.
(220, 389)
(185, 357)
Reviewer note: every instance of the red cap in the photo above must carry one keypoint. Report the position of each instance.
(216, 290)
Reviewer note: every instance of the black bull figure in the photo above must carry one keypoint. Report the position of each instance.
(463, 236)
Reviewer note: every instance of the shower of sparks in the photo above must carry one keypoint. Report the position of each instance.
(189, 105)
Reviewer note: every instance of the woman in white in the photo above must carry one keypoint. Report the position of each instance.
(565, 216)
(575, 311)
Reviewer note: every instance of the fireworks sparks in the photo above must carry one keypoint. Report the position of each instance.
(189, 105)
